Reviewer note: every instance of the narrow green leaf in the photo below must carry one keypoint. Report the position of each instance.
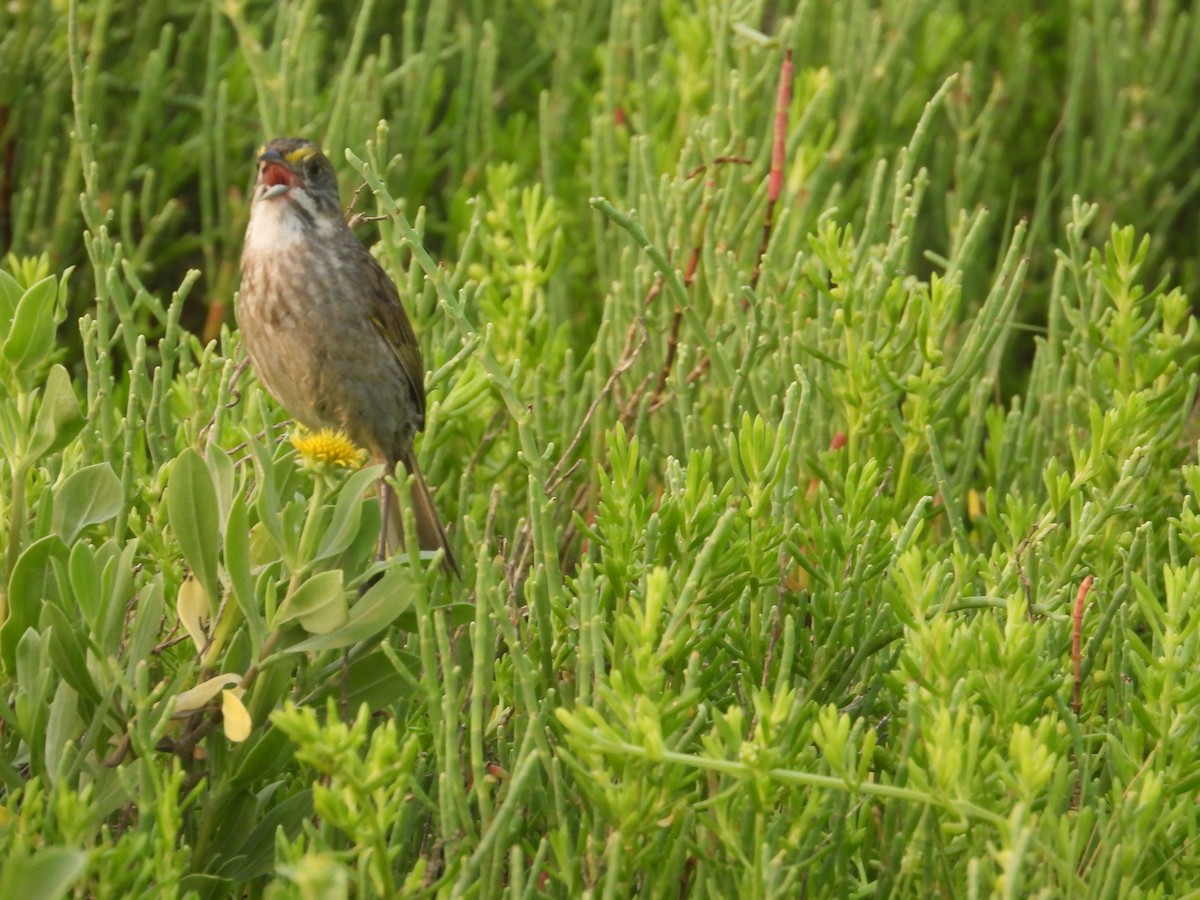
(69, 653)
(37, 681)
(237, 564)
(10, 295)
(267, 500)
(258, 857)
(192, 508)
(83, 573)
(64, 725)
(266, 754)
(143, 631)
(108, 631)
(221, 467)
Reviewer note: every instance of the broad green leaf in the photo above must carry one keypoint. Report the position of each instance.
(202, 694)
(192, 507)
(58, 419)
(91, 495)
(319, 605)
(347, 513)
(34, 323)
(45, 875)
(32, 582)
(381, 605)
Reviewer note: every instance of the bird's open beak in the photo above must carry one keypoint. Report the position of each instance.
(275, 173)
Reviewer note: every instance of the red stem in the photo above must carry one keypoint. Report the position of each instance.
(1076, 631)
(783, 101)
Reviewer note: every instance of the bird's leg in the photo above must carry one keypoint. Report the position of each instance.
(385, 513)
(381, 549)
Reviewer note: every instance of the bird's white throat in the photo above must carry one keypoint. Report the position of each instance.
(275, 223)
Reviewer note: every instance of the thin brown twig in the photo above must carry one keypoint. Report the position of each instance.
(520, 558)
(496, 427)
(719, 160)
(489, 525)
(655, 290)
(235, 397)
(570, 531)
(199, 727)
(522, 543)
(689, 278)
(668, 360)
(354, 219)
(698, 371)
(776, 625)
(628, 356)
(1036, 533)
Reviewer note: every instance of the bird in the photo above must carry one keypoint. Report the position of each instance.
(325, 331)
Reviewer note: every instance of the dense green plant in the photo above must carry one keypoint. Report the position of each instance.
(809, 394)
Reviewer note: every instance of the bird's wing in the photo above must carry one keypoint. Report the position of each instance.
(389, 318)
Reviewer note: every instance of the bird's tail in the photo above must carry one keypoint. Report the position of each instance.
(431, 535)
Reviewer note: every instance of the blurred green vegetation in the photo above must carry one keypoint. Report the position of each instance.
(812, 397)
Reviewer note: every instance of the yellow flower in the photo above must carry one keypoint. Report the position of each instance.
(327, 448)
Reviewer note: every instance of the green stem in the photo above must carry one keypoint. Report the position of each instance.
(16, 517)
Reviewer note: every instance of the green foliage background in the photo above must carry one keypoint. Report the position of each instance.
(843, 544)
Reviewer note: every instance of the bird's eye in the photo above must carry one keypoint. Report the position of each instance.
(313, 169)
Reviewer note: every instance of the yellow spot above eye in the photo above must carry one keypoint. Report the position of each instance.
(301, 155)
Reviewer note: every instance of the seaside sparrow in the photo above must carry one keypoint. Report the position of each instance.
(324, 328)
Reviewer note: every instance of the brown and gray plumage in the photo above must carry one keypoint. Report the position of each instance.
(324, 328)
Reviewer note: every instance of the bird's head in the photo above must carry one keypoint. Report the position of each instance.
(294, 172)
